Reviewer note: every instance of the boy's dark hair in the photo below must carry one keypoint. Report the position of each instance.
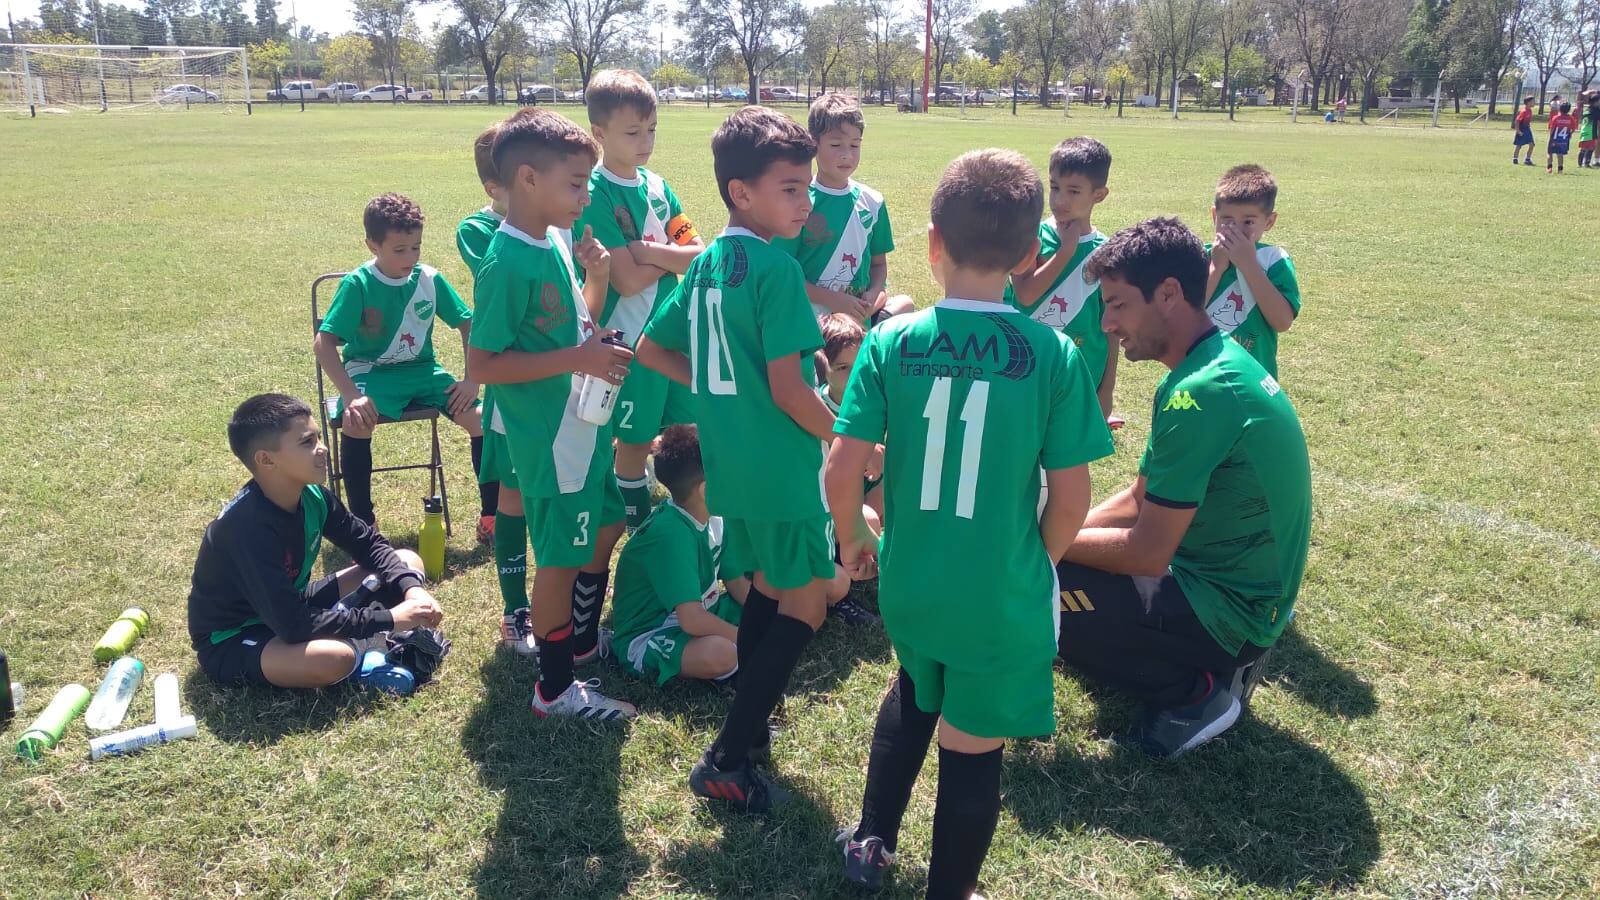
(1247, 184)
(1082, 156)
(677, 454)
(1566, 107)
(751, 140)
(840, 332)
(260, 421)
(537, 137)
(483, 154)
(613, 89)
(1528, 100)
(390, 212)
(832, 110)
(987, 207)
(1146, 254)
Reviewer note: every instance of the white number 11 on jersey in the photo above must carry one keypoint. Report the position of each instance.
(937, 413)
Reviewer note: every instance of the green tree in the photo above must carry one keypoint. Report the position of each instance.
(672, 75)
(759, 33)
(950, 18)
(491, 30)
(594, 30)
(270, 58)
(835, 38)
(382, 21)
(987, 35)
(347, 57)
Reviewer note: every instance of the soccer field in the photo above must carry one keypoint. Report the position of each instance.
(1429, 722)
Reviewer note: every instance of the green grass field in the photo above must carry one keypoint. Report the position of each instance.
(1429, 723)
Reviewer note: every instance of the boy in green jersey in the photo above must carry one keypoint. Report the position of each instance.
(508, 529)
(382, 315)
(979, 398)
(1252, 294)
(1055, 290)
(1191, 572)
(639, 219)
(536, 342)
(842, 336)
(845, 244)
(739, 331)
(672, 620)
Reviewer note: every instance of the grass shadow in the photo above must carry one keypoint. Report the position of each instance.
(788, 853)
(1298, 666)
(1258, 804)
(258, 714)
(559, 833)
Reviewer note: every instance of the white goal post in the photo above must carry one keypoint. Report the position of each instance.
(107, 77)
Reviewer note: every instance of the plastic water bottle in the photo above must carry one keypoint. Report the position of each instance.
(598, 396)
(52, 723)
(119, 638)
(111, 701)
(135, 739)
(169, 707)
(430, 539)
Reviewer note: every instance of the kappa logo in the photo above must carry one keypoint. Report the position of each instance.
(1180, 400)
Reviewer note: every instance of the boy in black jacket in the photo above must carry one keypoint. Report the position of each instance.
(255, 615)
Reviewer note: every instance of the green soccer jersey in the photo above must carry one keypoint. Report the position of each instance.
(1225, 440)
(741, 305)
(473, 236)
(528, 299)
(1233, 305)
(670, 560)
(846, 229)
(622, 210)
(1072, 303)
(976, 398)
(387, 321)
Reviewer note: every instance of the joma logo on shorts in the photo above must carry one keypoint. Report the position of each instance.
(1180, 400)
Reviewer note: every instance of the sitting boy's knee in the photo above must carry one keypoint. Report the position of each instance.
(470, 420)
(723, 656)
(410, 558)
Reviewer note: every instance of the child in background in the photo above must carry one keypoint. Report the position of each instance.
(1561, 127)
(1254, 294)
(1522, 125)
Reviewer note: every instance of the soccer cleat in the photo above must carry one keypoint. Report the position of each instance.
(1170, 733)
(486, 529)
(762, 755)
(516, 633)
(852, 612)
(581, 701)
(1527, 162)
(865, 861)
(746, 787)
(600, 651)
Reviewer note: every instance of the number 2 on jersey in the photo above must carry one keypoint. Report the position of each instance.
(714, 355)
(937, 412)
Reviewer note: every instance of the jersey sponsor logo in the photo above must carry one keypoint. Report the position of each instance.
(555, 312)
(1020, 361)
(1180, 400)
(1270, 385)
(371, 322)
(625, 222)
(973, 356)
(1246, 341)
(816, 231)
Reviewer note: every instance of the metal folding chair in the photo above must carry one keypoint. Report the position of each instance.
(331, 425)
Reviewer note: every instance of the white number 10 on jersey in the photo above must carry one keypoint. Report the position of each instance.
(714, 355)
(937, 412)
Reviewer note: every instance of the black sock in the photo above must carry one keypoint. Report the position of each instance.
(356, 463)
(488, 494)
(761, 686)
(588, 595)
(759, 611)
(555, 662)
(899, 745)
(963, 821)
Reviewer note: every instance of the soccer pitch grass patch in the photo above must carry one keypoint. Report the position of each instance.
(1427, 727)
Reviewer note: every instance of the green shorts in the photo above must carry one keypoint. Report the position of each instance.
(563, 529)
(649, 401)
(789, 554)
(658, 653)
(1016, 702)
(496, 462)
(393, 388)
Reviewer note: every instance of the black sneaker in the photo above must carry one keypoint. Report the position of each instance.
(1246, 677)
(865, 861)
(1170, 733)
(762, 755)
(746, 787)
(850, 611)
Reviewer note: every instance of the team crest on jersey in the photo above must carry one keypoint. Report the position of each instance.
(554, 313)
(816, 232)
(423, 308)
(1230, 312)
(371, 321)
(625, 222)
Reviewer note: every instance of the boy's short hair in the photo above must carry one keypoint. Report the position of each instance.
(613, 89)
(1566, 107)
(1146, 254)
(832, 110)
(483, 154)
(1528, 100)
(987, 207)
(259, 423)
(840, 332)
(1247, 184)
(534, 136)
(1082, 156)
(751, 140)
(390, 212)
(677, 459)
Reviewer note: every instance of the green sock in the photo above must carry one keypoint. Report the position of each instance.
(636, 499)
(511, 559)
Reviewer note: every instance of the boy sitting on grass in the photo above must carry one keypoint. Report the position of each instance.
(383, 314)
(255, 615)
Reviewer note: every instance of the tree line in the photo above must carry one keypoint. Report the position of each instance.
(1218, 51)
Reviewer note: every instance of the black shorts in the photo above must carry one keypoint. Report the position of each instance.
(237, 660)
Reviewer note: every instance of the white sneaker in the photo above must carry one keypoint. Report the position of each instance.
(580, 699)
(516, 633)
(601, 651)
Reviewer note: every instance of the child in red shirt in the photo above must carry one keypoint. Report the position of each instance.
(1561, 125)
(1522, 125)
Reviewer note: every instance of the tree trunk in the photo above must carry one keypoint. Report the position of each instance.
(1544, 82)
(755, 88)
(1227, 85)
(491, 73)
(1316, 91)
(1173, 100)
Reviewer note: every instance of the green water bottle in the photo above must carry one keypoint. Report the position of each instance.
(430, 540)
(52, 723)
(119, 638)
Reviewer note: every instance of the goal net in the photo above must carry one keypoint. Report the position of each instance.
(66, 77)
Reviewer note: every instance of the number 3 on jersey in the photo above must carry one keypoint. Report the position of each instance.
(937, 412)
(713, 356)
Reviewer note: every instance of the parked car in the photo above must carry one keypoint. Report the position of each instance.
(479, 94)
(735, 93)
(391, 92)
(299, 90)
(540, 93)
(187, 93)
(341, 90)
(670, 94)
(780, 93)
(703, 93)
(984, 95)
